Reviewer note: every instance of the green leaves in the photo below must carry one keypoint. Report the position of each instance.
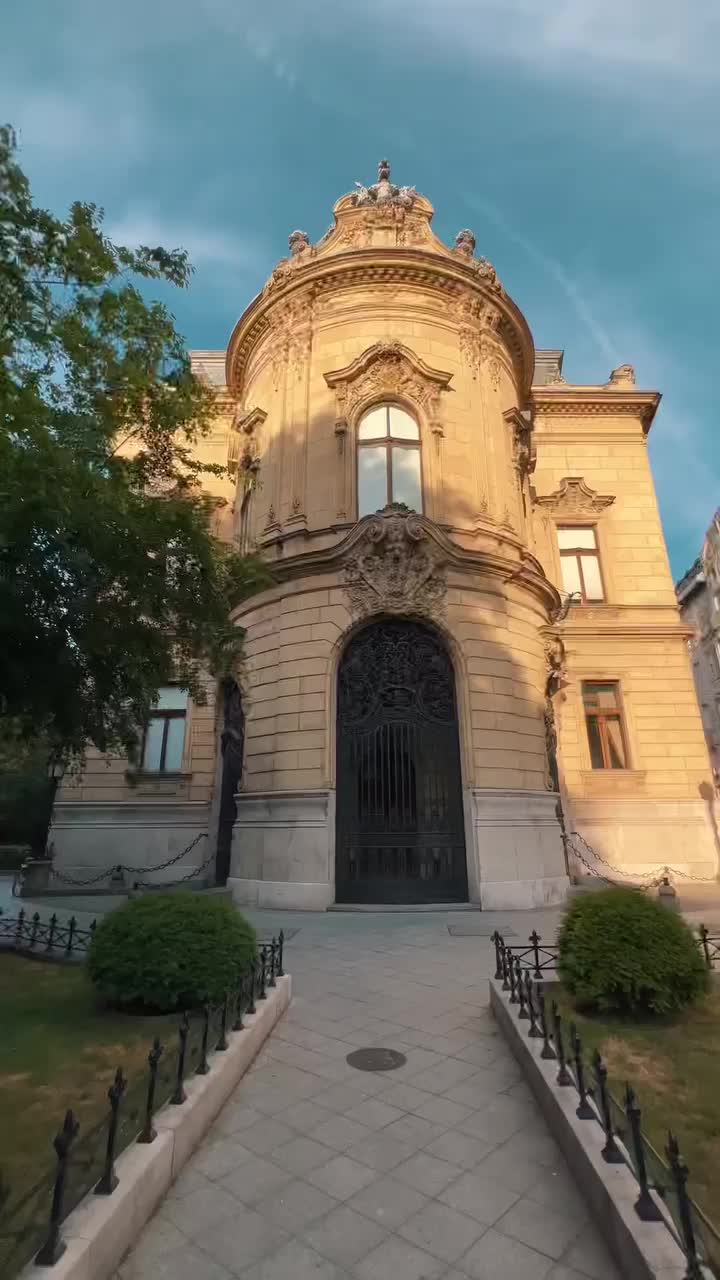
(110, 579)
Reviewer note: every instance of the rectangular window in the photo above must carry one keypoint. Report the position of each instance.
(165, 732)
(580, 563)
(604, 720)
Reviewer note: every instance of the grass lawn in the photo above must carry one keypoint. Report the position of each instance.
(58, 1048)
(673, 1066)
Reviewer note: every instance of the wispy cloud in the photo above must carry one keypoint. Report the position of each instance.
(69, 123)
(207, 246)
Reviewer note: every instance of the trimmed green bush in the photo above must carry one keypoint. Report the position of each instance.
(622, 952)
(167, 951)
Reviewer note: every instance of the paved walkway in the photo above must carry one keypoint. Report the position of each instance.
(440, 1170)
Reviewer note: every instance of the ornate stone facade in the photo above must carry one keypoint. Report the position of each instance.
(380, 311)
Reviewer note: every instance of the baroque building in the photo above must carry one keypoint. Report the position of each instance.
(472, 630)
(698, 594)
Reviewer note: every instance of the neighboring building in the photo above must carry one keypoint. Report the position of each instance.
(431, 494)
(698, 594)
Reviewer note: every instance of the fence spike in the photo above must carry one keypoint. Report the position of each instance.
(645, 1207)
(54, 1246)
(679, 1171)
(148, 1133)
(108, 1181)
(610, 1153)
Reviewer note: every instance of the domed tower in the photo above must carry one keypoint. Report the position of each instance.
(399, 735)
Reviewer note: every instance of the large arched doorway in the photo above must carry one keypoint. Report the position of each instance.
(400, 830)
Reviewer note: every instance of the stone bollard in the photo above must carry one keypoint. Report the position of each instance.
(667, 895)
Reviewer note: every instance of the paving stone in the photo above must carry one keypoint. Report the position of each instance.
(189, 1179)
(233, 1118)
(300, 1154)
(481, 1197)
(512, 1168)
(557, 1190)
(590, 1255)
(215, 1161)
(339, 1132)
(459, 1149)
(344, 1236)
(412, 1131)
(443, 1111)
(185, 1263)
(341, 1177)
(343, 1098)
(407, 1097)
(304, 1116)
(374, 1113)
(159, 1237)
(442, 1231)
(295, 1261)
(388, 1202)
(496, 1257)
(397, 1259)
(200, 1209)
(426, 1173)
(238, 1241)
(539, 1227)
(445, 1075)
(264, 1137)
(254, 1180)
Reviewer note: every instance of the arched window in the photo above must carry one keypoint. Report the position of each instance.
(388, 454)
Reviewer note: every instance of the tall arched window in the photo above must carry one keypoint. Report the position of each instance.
(388, 455)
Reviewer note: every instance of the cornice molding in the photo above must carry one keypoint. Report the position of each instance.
(449, 275)
(561, 401)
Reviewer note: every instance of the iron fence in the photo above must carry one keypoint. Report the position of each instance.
(541, 957)
(520, 970)
(31, 1219)
(31, 934)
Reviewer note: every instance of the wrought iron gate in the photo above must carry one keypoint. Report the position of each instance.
(400, 831)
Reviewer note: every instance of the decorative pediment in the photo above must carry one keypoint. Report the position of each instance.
(387, 368)
(394, 567)
(574, 497)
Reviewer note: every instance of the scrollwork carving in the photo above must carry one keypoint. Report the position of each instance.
(395, 568)
(574, 497)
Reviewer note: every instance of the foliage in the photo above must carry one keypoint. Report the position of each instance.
(622, 952)
(167, 951)
(110, 577)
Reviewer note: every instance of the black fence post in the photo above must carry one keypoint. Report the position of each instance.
(238, 1024)
(51, 933)
(547, 1050)
(273, 954)
(535, 941)
(512, 976)
(54, 1246)
(645, 1206)
(679, 1171)
(521, 987)
(583, 1111)
(706, 950)
(505, 968)
(148, 1133)
(281, 948)
(610, 1153)
(262, 993)
(534, 1032)
(19, 926)
(34, 929)
(203, 1065)
(72, 925)
(179, 1094)
(108, 1181)
(222, 1043)
(497, 941)
(563, 1075)
(252, 976)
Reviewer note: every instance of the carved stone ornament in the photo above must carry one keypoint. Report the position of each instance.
(395, 568)
(388, 369)
(384, 192)
(301, 252)
(465, 243)
(247, 423)
(552, 776)
(524, 452)
(574, 497)
(298, 242)
(291, 343)
(555, 659)
(622, 377)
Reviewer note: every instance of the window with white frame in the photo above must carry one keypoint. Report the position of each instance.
(580, 562)
(165, 732)
(388, 459)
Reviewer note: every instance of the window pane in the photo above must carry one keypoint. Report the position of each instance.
(570, 573)
(616, 746)
(600, 697)
(373, 424)
(596, 755)
(153, 744)
(372, 480)
(402, 426)
(171, 699)
(593, 581)
(174, 747)
(576, 537)
(406, 485)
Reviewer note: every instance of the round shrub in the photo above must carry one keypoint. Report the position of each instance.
(167, 951)
(622, 952)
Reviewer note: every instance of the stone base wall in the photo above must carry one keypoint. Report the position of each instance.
(87, 837)
(641, 835)
(518, 853)
(283, 850)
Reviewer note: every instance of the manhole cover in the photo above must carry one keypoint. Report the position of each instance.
(376, 1059)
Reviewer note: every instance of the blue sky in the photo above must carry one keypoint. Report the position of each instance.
(578, 138)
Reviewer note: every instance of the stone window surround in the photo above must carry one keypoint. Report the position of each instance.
(574, 699)
(415, 412)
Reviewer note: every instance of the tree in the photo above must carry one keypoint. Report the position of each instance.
(110, 578)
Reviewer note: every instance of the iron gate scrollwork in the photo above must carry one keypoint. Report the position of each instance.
(400, 830)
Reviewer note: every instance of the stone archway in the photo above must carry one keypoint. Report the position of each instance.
(400, 828)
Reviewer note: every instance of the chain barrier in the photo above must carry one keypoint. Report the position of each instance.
(134, 872)
(652, 878)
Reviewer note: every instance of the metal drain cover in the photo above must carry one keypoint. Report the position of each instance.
(376, 1059)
